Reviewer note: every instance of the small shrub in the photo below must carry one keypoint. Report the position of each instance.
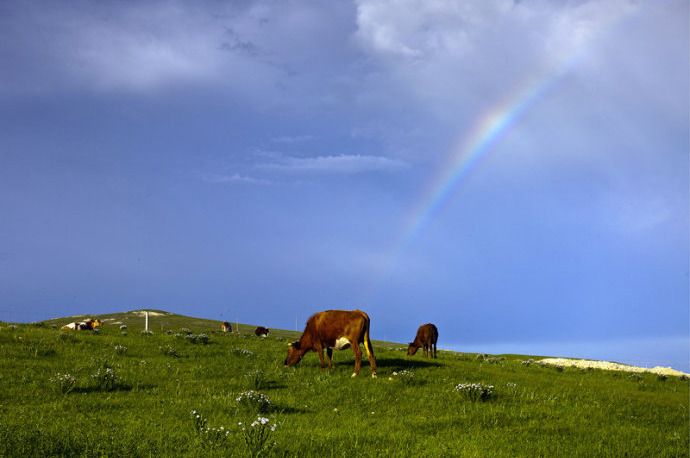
(210, 437)
(241, 352)
(167, 350)
(123, 327)
(254, 400)
(63, 383)
(106, 379)
(474, 391)
(191, 338)
(146, 333)
(257, 436)
(202, 339)
(120, 349)
(185, 331)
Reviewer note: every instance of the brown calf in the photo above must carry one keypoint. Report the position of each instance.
(427, 335)
(261, 331)
(337, 329)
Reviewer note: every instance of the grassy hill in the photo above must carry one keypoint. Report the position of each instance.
(122, 392)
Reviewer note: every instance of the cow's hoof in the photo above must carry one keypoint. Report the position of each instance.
(373, 375)
(354, 374)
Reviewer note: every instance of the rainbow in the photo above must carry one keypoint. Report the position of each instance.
(486, 132)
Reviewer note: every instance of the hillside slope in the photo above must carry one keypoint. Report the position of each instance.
(122, 392)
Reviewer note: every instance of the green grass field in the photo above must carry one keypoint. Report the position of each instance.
(121, 392)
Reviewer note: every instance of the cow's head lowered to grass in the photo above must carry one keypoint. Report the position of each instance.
(294, 354)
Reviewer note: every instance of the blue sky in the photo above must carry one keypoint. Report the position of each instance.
(514, 172)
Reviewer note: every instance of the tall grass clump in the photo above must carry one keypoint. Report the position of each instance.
(254, 400)
(63, 383)
(255, 378)
(257, 436)
(211, 438)
(106, 378)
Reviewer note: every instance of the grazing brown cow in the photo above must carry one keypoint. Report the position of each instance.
(227, 327)
(261, 331)
(427, 335)
(337, 329)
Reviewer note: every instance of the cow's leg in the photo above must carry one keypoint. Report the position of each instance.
(370, 355)
(319, 350)
(329, 353)
(434, 350)
(358, 357)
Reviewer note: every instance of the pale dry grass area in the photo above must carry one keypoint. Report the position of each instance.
(143, 312)
(586, 364)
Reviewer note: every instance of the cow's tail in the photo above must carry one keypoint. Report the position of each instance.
(368, 347)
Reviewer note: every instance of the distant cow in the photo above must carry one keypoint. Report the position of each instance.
(88, 325)
(427, 335)
(227, 327)
(337, 329)
(261, 331)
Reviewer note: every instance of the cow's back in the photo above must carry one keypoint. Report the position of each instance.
(427, 333)
(330, 325)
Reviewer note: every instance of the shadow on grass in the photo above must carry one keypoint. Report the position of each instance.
(403, 363)
(271, 385)
(96, 389)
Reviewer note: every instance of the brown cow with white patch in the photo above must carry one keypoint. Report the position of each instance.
(337, 329)
(88, 325)
(261, 331)
(226, 327)
(427, 335)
